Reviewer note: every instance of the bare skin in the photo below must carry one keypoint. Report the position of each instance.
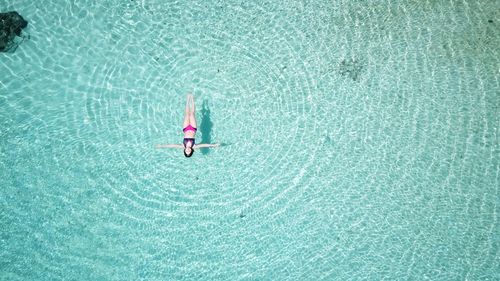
(189, 119)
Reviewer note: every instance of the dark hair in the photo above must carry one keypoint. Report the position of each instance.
(188, 155)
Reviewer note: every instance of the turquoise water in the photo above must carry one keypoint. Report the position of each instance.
(361, 141)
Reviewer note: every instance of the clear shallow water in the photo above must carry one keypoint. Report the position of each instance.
(362, 141)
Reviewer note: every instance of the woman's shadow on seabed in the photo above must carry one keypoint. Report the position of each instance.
(205, 127)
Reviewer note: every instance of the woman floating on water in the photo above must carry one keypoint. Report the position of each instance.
(189, 131)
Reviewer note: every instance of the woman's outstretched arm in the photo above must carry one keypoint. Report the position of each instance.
(169, 146)
(206, 145)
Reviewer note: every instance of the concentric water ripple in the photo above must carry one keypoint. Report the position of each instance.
(191, 65)
(360, 141)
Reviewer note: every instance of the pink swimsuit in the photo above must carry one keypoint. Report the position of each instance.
(186, 140)
(189, 128)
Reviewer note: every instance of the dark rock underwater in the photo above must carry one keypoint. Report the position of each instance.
(11, 25)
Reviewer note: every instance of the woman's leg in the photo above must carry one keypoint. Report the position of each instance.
(192, 115)
(187, 113)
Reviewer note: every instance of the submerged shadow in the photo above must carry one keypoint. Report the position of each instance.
(205, 127)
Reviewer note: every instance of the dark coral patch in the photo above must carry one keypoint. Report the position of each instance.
(350, 68)
(11, 25)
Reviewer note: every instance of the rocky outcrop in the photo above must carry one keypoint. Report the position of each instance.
(11, 25)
